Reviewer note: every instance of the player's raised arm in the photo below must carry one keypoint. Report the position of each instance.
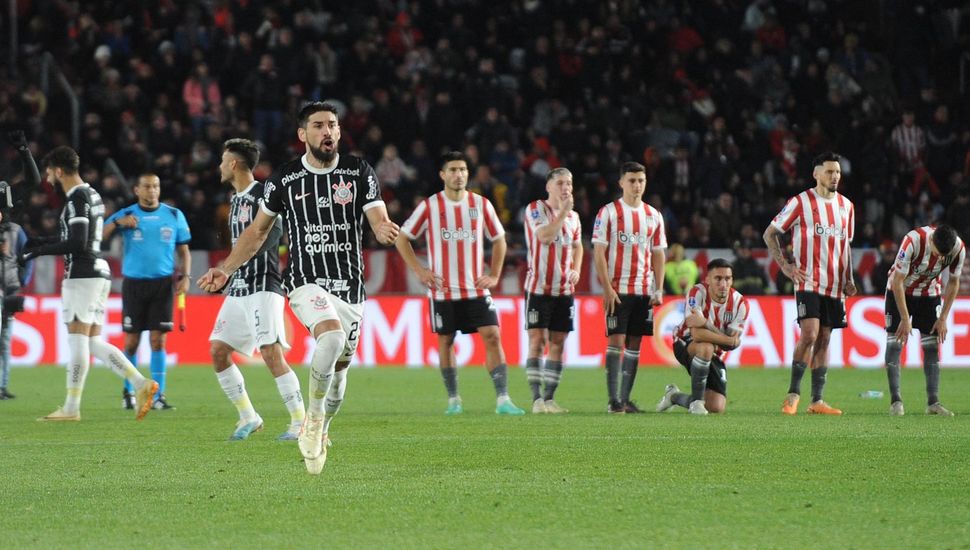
(250, 241)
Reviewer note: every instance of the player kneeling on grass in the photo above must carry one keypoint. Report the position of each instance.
(714, 320)
(915, 282)
(252, 315)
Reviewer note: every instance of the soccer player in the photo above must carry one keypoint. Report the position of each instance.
(629, 240)
(455, 222)
(251, 316)
(915, 283)
(84, 291)
(822, 224)
(322, 197)
(153, 234)
(714, 320)
(552, 233)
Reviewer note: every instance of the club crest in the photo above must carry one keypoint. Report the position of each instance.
(342, 193)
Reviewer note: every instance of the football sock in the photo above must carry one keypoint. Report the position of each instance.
(682, 399)
(699, 369)
(818, 382)
(330, 345)
(500, 378)
(450, 376)
(551, 374)
(128, 385)
(893, 350)
(234, 387)
(533, 373)
(631, 359)
(612, 371)
(157, 368)
(931, 368)
(79, 361)
(335, 397)
(116, 361)
(289, 388)
(797, 370)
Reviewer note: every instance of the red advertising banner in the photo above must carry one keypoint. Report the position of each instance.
(395, 332)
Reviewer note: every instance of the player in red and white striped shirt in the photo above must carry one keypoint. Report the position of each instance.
(915, 283)
(455, 223)
(714, 320)
(628, 248)
(555, 250)
(822, 223)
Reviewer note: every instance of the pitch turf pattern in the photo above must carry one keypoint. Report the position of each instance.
(402, 474)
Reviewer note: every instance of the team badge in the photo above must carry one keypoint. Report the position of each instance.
(535, 214)
(342, 193)
(728, 317)
(691, 302)
(320, 303)
(473, 213)
(167, 234)
(245, 213)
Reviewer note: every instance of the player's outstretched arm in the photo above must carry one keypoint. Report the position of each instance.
(385, 230)
(249, 242)
(31, 174)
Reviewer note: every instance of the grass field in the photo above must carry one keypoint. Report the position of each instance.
(403, 475)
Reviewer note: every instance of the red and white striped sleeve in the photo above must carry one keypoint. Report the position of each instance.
(493, 226)
(788, 216)
(601, 227)
(417, 223)
(956, 268)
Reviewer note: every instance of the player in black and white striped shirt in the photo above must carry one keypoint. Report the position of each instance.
(251, 317)
(323, 198)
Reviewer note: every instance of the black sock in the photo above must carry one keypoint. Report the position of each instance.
(931, 368)
(500, 377)
(612, 371)
(893, 350)
(682, 399)
(450, 376)
(551, 375)
(631, 360)
(797, 370)
(699, 369)
(818, 382)
(533, 373)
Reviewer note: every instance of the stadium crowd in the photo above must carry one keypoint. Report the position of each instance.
(725, 102)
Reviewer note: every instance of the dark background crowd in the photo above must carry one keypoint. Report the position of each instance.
(726, 102)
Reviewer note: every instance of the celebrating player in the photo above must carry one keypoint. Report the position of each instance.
(915, 282)
(552, 233)
(454, 222)
(84, 292)
(822, 224)
(251, 317)
(714, 320)
(628, 248)
(323, 197)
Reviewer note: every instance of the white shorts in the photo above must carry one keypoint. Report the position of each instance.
(247, 323)
(312, 305)
(85, 300)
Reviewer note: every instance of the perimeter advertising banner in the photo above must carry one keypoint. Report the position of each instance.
(395, 333)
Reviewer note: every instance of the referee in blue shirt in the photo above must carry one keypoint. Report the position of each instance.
(153, 232)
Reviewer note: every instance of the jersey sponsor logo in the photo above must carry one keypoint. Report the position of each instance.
(290, 177)
(902, 255)
(624, 237)
(372, 187)
(346, 172)
(691, 302)
(535, 214)
(459, 234)
(333, 285)
(325, 227)
(342, 193)
(830, 231)
(238, 283)
(323, 202)
(268, 190)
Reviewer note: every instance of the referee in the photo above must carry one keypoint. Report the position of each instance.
(153, 232)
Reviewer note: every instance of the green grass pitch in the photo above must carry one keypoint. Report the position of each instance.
(402, 475)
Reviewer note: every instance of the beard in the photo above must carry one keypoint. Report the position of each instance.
(325, 157)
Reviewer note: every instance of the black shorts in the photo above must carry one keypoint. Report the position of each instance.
(146, 304)
(552, 312)
(450, 316)
(924, 310)
(830, 312)
(716, 378)
(633, 316)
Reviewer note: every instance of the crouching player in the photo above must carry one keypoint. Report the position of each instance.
(714, 320)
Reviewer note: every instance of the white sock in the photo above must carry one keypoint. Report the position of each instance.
(330, 345)
(289, 387)
(116, 361)
(335, 397)
(78, 364)
(234, 387)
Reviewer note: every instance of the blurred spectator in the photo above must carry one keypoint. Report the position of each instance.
(879, 276)
(750, 278)
(680, 272)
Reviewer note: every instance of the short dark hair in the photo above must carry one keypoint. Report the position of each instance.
(631, 166)
(827, 156)
(63, 157)
(718, 263)
(244, 149)
(944, 238)
(314, 107)
(452, 156)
